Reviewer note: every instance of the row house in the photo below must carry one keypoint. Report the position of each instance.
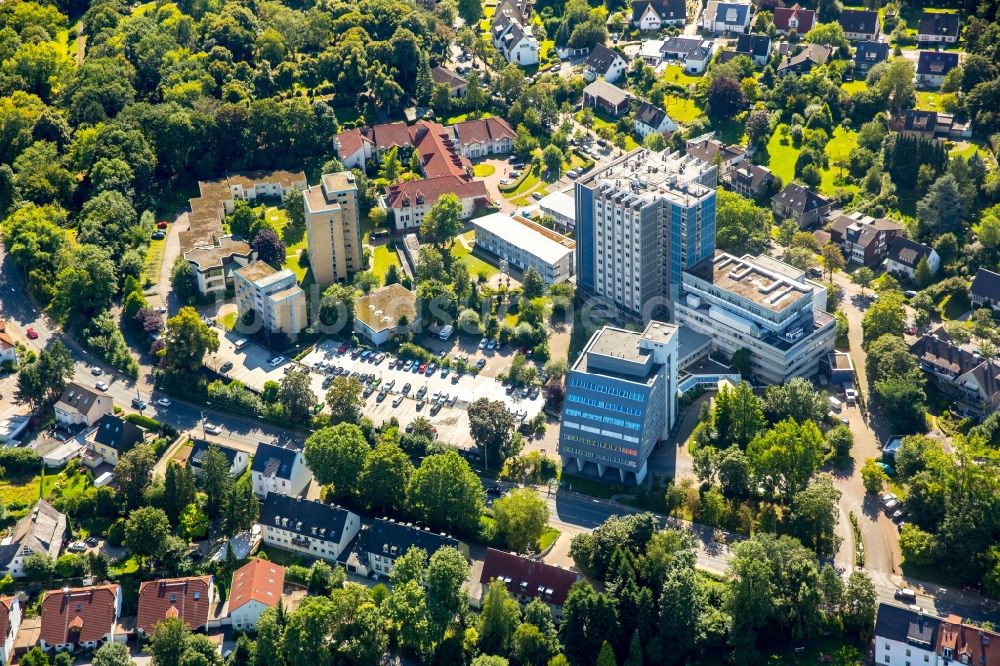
(972, 380)
(307, 527)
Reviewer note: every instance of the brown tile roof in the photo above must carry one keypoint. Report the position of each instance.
(350, 142)
(484, 130)
(448, 78)
(6, 604)
(431, 189)
(216, 256)
(257, 580)
(438, 155)
(88, 611)
(782, 16)
(528, 577)
(187, 598)
(388, 135)
(6, 342)
(969, 645)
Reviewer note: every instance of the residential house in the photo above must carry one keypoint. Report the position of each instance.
(41, 531)
(486, 136)
(748, 179)
(692, 53)
(905, 255)
(604, 63)
(354, 147)
(985, 290)
(409, 201)
(278, 469)
(863, 239)
(903, 635)
(381, 541)
(709, 150)
(867, 55)
(938, 27)
(256, 587)
(656, 14)
(527, 579)
(803, 61)
(190, 599)
(726, 17)
(238, 460)
(274, 296)
(799, 203)
(512, 34)
(112, 438)
(8, 349)
(457, 85)
(385, 313)
(213, 265)
(860, 24)
(561, 207)
(651, 119)
(755, 47)
(649, 52)
(81, 618)
(933, 66)
(81, 406)
(966, 644)
(307, 527)
(10, 622)
(794, 19)
(965, 375)
(930, 125)
(607, 97)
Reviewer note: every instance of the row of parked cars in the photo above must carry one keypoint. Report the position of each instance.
(893, 508)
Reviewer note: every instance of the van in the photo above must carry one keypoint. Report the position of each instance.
(446, 332)
(835, 404)
(906, 594)
(241, 343)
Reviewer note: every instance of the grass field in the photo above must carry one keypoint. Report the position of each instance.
(25, 489)
(549, 537)
(853, 87)
(928, 100)
(528, 181)
(676, 74)
(228, 321)
(838, 151)
(483, 170)
(782, 155)
(382, 258)
(462, 117)
(472, 262)
(154, 258)
(682, 110)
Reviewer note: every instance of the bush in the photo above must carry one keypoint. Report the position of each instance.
(297, 574)
(116, 533)
(20, 461)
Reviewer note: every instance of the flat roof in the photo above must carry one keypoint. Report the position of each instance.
(543, 243)
(751, 280)
(618, 343)
(381, 309)
(648, 176)
(560, 203)
(256, 271)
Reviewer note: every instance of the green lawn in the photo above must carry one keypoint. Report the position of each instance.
(346, 114)
(462, 117)
(967, 149)
(928, 100)
(228, 321)
(853, 87)
(483, 170)
(838, 151)
(529, 179)
(154, 258)
(682, 110)
(382, 258)
(782, 155)
(472, 262)
(25, 489)
(676, 74)
(549, 537)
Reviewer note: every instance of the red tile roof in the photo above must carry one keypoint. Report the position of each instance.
(388, 135)
(782, 16)
(438, 155)
(91, 611)
(6, 342)
(982, 648)
(431, 189)
(257, 580)
(6, 603)
(350, 142)
(484, 130)
(528, 577)
(188, 598)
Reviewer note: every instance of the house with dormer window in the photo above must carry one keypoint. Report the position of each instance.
(307, 527)
(81, 618)
(527, 579)
(279, 469)
(382, 541)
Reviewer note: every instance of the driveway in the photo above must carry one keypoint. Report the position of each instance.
(501, 171)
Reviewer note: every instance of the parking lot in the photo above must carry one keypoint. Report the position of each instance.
(250, 366)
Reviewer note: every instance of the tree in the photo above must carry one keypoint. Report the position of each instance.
(741, 225)
(524, 143)
(897, 84)
(270, 249)
(758, 126)
(521, 516)
(308, 631)
(270, 637)
(498, 620)
(589, 617)
(860, 603)
(492, 429)
(241, 509)
(606, 657)
(833, 259)
(886, 316)
(552, 158)
(725, 98)
(942, 208)
(919, 547)
(475, 96)
(733, 470)
(85, 285)
(787, 455)
(336, 308)
(814, 516)
(680, 609)
(444, 491)
(444, 577)
(873, 476)
(336, 455)
(532, 284)
(296, 395)
(193, 522)
(841, 440)
(344, 399)
(443, 221)
(39, 567)
(470, 11)
(186, 341)
(45, 379)
(112, 654)
(863, 277)
(796, 399)
(179, 490)
(387, 469)
(146, 529)
(182, 279)
(215, 479)
(737, 417)
(133, 474)
(35, 657)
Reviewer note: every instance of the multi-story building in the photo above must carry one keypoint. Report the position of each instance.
(10, 622)
(640, 221)
(656, 14)
(307, 527)
(748, 179)
(965, 375)
(905, 255)
(911, 636)
(938, 28)
(526, 579)
(801, 204)
(81, 406)
(112, 438)
(860, 24)
(604, 63)
(863, 239)
(727, 17)
(256, 586)
(525, 244)
(512, 34)
(382, 541)
(189, 599)
(274, 295)
(333, 228)
(213, 265)
(759, 304)
(621, 399)
(278, 469)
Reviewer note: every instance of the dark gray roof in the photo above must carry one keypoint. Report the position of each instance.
(199, 447)
(753, 45)
(986, 284)
(304, 515)
(274, 461)
(447, 77)
(732, 13)
(900, 624)
(386, 537)
(667, 10)
(806, 59)
(936, 63)
(907, 252)
(601, 58)
(871, 53)
(117, 433)
(940, 24)
(648, 114)
(859, 20)
(800, 199)
(685, 47)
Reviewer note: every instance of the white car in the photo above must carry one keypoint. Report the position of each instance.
(213, 429)
(276, 361)
(77, 547)
(102, 386)
(164, 402)
(97, 372)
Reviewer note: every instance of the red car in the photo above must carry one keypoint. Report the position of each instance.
(423, 366)
(32, 333)
(161, 224)
(342, 348)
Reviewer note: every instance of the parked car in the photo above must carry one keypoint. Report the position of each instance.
(483, 343)
(92, 541)
(397, 401)
(481, 363)
(32, 333)
(97, 372)
(276, 361)
(537, 196)
(77, 547)
(162, 224)
(226, 367)
(139, 403)
(906, 594)
(164, 402)
(102, 386)
(158, 235)
(213, 429)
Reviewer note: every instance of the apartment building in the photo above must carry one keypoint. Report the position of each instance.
(908, 635)
(526, 579)
(278, 469)
(759, 304)
(213, 265)
(333, 228)
(409, 201)
(621, 399)
(274, 295)
(381, 541)
(640, 221)
(81, 406)
(973, 381)
(524, 244)
(307, 527)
